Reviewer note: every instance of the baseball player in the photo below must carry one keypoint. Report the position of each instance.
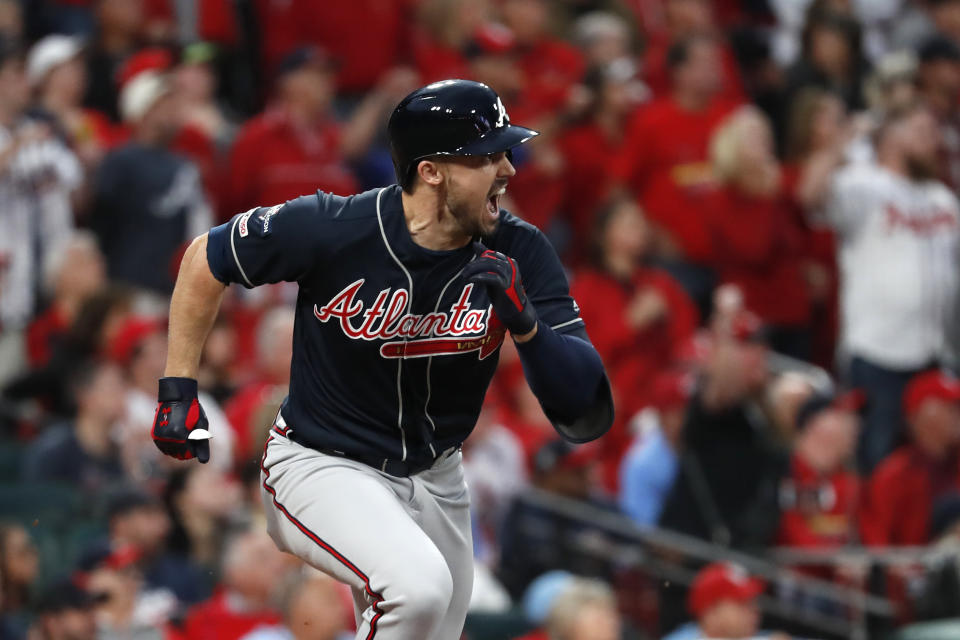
(406, 293)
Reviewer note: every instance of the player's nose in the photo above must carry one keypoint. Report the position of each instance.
(506, 168)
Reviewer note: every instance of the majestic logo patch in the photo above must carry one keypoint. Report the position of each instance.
(411, 335)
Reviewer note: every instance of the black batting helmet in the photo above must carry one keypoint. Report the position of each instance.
(449, 118)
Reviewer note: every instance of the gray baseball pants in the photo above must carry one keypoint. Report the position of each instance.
(403, 545)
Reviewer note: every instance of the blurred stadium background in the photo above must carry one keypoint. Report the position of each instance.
(754, 199)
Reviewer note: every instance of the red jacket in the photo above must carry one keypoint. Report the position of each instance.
(216, 619)
(271, 163)
(899, 497)
(758, 247)
(665, 163)
(817, 511)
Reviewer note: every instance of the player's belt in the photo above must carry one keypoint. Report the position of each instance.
(396, 468)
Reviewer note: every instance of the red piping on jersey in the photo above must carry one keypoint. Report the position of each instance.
(377, 598)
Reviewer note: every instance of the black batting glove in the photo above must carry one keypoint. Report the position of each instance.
(500, 275)
(180, 427)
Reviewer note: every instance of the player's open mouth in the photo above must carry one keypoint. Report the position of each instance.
(493, 201)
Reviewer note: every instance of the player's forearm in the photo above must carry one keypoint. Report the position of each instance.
(564, 372)
(193, 309)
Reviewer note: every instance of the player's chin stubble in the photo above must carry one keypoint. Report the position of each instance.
(469, 216)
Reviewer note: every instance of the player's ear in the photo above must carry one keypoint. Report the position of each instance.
(430, 171)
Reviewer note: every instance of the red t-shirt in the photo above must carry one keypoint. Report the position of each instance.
(633, 357)
(215, 619)
(271, 163)
(759, 248)
(899, 497)
(366, 37)
(817, 511)
(657, 75)
(588, 154)
(665, 163)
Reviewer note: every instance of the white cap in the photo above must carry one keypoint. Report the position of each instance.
(50, 52)
(140, 93)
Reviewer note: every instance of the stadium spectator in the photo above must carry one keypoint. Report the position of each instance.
(19, 571)
(125, 607)
(147, 200)
(722, 600)
(588, 146)
(726, 490)
(313, 608)
(899, 497)
(83, 452)
(639, 317)
(118, 34)
(253, 407)
(296, 146)
(898, 232)
(649, 468)
(939, 592)
(832, 57)
(584, 610)
(551, 67)
(58, 79)
(757, 244)
(535, 539)
(65, 612)
(442, 32)
(684, 19)
(195, 82)
(71, 277)
(938, 82)
(137, 519)
(253, 569)
(202, 502)
(818, 143)
(819, 496)
(37, 178)
(603, 37)
(665, 163)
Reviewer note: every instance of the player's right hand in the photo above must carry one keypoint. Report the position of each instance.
(180, 427)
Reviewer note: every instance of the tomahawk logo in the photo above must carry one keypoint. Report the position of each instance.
(412, 335)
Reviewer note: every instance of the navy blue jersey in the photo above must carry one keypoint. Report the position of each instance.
(393, 350)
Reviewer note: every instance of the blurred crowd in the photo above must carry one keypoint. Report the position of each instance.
(756, 203)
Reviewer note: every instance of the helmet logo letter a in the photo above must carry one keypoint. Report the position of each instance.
(503, 114)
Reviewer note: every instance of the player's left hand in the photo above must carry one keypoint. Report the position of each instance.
(180, 427)
(500, 275)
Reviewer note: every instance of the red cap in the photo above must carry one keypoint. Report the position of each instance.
(930, 384)
(721, 581)
(152, 59)
(129, 337)
(491, 38)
